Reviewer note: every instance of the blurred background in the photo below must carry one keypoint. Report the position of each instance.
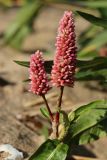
(29, 25)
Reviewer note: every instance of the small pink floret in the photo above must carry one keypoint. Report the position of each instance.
(39, 82)
(63, 70)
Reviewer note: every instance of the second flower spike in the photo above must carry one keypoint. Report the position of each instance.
(39, 82)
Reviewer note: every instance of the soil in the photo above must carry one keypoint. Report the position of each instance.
(21, 123)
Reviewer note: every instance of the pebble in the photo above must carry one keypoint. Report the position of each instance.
(10, 153)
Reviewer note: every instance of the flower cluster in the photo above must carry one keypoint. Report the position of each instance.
(65, 59)
(64, 66)
(39, 82)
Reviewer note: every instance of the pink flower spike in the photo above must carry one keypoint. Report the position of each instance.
(39, 82)
(63, 70)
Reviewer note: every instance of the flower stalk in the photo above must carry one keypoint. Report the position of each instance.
(57, 117)
(63, 69)
(48, 108)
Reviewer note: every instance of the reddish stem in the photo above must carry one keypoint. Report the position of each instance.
(48, 108)
(58, 110)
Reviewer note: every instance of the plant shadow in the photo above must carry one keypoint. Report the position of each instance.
(82, 151)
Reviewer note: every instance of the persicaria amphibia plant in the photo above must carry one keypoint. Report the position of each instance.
(81, 126)
(63, 69)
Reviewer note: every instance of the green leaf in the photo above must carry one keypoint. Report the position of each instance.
(26, 80)
(90, 106)
(91, 4)
(92, 75)
(93, 133)
(24, 18)
(94, 69)
(88, 116)
(51, 150)
(82, 64)
(103, 12)
(64, 117)
(87, 35)
(96, 43)
(71, 116)
(94, 20)
(16, 42)
(93, 63)
(64, 125)
(44, 112)
(23, 63)
(47, 64)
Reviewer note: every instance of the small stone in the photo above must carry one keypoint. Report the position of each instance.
(4, 155)
(8, 152)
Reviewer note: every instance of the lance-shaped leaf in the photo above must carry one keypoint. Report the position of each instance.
(82, 3)
(23, 63)
(71, 116)
(94, 69)
(103, 12)
(91, 4)
(87, 116)
(16, 32)
(100, 74)
(93, 133)
(47, 64)
(98, 62)
(51, 150)
(94, 20)
(44, 112)
(18, 39)
(82, 64)
(97, 42)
